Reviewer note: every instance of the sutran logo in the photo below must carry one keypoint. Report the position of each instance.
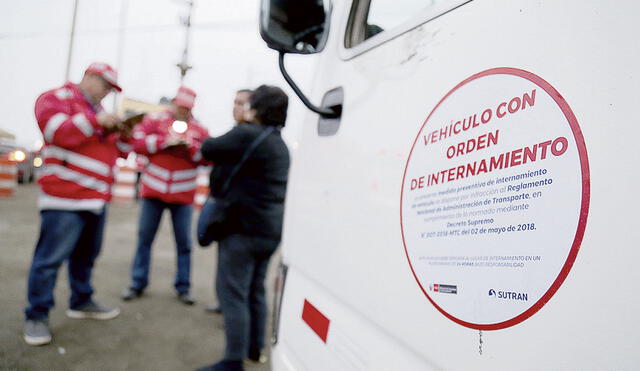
(509, 295)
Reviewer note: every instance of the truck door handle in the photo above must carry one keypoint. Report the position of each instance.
(332, 99)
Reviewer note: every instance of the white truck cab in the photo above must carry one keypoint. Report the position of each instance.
(465, 195)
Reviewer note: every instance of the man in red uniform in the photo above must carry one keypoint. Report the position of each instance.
(171, 141)
(82, 143)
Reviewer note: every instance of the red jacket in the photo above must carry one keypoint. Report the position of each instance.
(78, 156)
(170, 175)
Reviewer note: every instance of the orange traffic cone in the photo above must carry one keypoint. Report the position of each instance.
(8, 176)
(124, 189)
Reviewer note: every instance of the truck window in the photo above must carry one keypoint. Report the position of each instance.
(369, 18)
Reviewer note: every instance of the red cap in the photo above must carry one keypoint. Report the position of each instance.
(185, 97)
(106, 72)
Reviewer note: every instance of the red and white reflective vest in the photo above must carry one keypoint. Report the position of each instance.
(171, 173)
(78, 156)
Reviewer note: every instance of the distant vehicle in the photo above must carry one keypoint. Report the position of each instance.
(27, 161)
(28, 168)
(466, 198)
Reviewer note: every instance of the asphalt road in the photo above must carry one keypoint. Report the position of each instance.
(156, 332)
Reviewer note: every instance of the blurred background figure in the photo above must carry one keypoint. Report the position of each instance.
(254, 223)
(241, 105)
(240, 111)
(171, 141)
(82, 143)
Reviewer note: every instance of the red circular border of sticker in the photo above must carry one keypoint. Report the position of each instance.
(584, 210)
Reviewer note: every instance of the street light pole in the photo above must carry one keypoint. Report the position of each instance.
(124, 6)
(71, 37)
(184, 65)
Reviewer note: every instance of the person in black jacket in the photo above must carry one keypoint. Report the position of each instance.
(240, 111)
(254, 222)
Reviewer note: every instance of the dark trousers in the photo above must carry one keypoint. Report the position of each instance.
(75, 236)
(242, 267)
(150, 215)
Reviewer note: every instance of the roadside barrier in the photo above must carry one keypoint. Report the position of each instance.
(124, 189)
(8, 176)
(202, 186)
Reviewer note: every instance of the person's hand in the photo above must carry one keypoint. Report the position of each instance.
(174, 141)
(249, 115)
(125, 132)
(108, 121)
(125, 126)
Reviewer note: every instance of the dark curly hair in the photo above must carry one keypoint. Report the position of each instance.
(270, 104)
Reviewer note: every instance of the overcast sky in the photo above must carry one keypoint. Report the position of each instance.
(225, 49)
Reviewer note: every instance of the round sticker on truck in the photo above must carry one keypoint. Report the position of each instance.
(495, 198)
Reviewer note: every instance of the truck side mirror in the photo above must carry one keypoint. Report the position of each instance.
(301, 27)
(294, 26)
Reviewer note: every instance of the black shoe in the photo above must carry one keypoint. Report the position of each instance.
(213, 309)
(255, 357)
(130, 293)
(186, 298)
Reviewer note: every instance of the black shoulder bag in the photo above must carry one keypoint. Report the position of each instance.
(212, 222)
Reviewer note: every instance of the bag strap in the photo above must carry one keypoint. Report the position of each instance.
(245, 157)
